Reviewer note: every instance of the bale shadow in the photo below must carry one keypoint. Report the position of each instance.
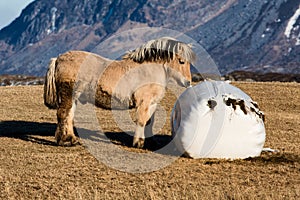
(28, 131)
(266, 158)
(275, 158)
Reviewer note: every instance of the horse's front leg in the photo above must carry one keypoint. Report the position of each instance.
(144, 113)
(149, 125)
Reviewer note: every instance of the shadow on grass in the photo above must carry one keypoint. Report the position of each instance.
(276, 158)
(153, 143)
(28, 131)
(37, 132)
(264, 159)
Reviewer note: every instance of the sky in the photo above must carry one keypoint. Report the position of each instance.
(10, 10)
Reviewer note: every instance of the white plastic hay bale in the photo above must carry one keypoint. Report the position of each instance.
(217, 120)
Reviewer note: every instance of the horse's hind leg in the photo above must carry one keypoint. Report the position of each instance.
(65, 115)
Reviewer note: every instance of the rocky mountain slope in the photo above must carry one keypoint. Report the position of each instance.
(251, 35)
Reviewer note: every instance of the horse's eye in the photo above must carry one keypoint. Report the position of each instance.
(181, 62)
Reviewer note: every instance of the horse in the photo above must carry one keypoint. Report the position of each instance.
(138, 81)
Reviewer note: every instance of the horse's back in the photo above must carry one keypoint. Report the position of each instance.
(71, 63)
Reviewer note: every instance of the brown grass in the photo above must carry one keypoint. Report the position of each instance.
(32, 167)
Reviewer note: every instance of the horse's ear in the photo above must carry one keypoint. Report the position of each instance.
(190, 45)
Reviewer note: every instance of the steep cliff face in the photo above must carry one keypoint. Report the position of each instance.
(252, 34)
(255, 35)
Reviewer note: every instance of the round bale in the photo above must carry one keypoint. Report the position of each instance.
(214, 119)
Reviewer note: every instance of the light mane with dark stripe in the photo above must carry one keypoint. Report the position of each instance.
(162, 49)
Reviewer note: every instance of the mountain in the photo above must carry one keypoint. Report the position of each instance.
(254, 35)
(261, 36)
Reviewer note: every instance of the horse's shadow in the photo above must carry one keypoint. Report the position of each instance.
(39, 132)
(152, 143)
(125, 139)
(28, 131)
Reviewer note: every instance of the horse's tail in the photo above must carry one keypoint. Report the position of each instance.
(50, 95)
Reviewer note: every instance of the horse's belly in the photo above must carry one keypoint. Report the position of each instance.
(107, 101)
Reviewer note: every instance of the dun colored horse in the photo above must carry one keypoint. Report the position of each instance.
(138, 81)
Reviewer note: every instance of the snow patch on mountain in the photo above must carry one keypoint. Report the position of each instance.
(291, 23)
(53, 18)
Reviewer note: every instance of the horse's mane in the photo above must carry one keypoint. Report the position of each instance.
(162, 49)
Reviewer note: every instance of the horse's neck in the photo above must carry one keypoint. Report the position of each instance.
(127, 64)
(149, 71)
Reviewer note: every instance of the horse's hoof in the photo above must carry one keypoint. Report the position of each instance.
(138, 143)
(75, 142)
(60, 143)
(68, 141)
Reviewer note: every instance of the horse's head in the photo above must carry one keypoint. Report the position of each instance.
(179, 71)
(176, 56)
(179, 64)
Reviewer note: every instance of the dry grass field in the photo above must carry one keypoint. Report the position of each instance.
(33, 167)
